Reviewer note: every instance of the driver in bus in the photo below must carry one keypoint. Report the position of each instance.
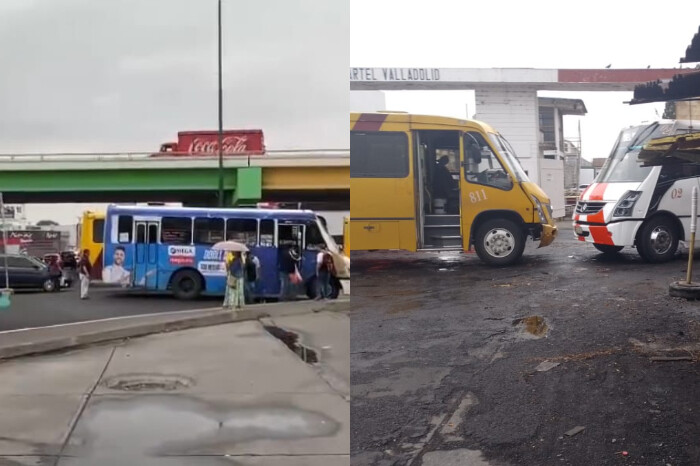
(116, 273)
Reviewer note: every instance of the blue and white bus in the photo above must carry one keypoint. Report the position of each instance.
(169, 249)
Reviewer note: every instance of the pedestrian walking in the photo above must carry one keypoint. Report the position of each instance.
(325, 269)
(252, 275)
(84, 270)
(234, 282)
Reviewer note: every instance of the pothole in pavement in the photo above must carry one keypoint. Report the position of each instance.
(147, 382)
(532, 326)
(291, 339)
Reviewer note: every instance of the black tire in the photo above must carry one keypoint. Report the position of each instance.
(607, 248)
(48, 285)
(187, 285)
(657, 240)
(510, 242)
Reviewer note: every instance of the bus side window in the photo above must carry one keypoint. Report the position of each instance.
(314, 238)
(125, 229)
(176, 230)
(208, 230)
(243, 230)
(267, 233)
(98, 231)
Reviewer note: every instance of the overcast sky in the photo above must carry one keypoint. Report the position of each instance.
(516, 34)
(127, 75)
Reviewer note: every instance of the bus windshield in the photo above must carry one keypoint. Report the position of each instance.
(623, 164)
(509, 156)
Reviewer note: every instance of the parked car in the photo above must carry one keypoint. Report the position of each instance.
(26, 272)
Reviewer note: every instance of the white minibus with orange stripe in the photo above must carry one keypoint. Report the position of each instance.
(637, 204)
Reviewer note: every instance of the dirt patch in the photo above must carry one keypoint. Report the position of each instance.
(147, 382)
(535, 326)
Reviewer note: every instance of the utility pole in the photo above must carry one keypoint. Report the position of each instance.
(221, 122)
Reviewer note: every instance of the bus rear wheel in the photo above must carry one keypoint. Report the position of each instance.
(499, 242)
(658, 240)
(187, 285)
(608, 248)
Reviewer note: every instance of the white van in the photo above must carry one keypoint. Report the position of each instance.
(630, 204)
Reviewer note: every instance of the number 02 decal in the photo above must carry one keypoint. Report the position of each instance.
(676, 193)
(477, 196)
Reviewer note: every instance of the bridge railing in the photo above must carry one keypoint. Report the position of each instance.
(146, 156)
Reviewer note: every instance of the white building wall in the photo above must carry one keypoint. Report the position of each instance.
(514, 112)
(552, 182)
(367, 101)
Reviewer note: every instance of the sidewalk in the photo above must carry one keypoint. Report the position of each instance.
(229, 394)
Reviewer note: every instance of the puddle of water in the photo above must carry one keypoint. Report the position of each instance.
(156, 425)
(533, 325)
(291, 339)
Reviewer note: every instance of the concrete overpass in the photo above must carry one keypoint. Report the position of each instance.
(319, 176)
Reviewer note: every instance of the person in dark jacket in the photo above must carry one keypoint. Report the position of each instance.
(288, 259)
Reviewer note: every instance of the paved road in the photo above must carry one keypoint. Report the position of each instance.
(444, 369)
(37, 309)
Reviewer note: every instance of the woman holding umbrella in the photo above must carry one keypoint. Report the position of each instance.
(234, 295)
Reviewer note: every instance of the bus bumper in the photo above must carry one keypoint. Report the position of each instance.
(549, 232)
(612, 234)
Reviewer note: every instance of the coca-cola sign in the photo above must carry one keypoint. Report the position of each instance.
(235, 142)
(231, 145)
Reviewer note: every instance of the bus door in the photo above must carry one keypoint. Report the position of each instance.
(146, 261)
(289, 234)
(485, 184)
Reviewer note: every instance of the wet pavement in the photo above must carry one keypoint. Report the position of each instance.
(456, 363)
(30, 309)
(225, 395)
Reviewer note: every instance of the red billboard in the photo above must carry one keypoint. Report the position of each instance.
(235, 142)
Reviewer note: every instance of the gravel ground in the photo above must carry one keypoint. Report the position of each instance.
(444, 353)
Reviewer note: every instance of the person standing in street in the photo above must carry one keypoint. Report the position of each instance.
(55, 272)
(234, 283)
(288, 265)
(252, 275)
(84, 270)
(324, 271)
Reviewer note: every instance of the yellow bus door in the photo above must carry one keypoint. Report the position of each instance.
(486, 187)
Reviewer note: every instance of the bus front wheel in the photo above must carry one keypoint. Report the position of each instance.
(658, 240)
(187, 285)
(499, 242)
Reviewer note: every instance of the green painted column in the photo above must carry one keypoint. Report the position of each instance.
(248, 185)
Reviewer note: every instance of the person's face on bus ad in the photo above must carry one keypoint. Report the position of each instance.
(119, 256)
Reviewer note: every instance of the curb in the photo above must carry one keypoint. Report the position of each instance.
(84, 333)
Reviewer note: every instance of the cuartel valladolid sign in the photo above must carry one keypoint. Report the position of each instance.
(394, 74)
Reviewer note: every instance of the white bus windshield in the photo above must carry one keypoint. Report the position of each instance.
(623, 164)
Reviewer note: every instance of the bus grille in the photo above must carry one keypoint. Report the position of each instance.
(588, 207)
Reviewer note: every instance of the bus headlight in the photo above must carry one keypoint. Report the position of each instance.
(540, 209)
(626, 204)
